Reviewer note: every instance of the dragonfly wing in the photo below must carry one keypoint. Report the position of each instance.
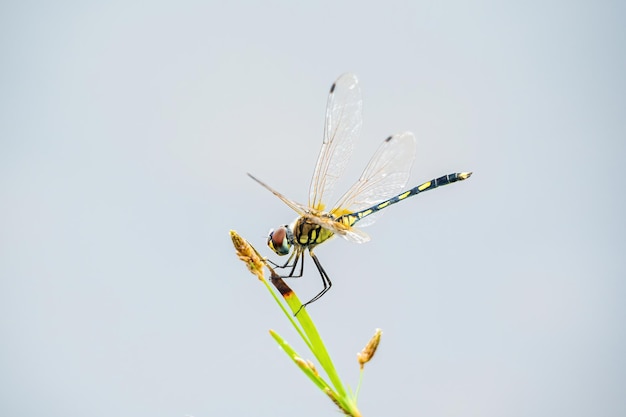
(385, 175)
(297, 207)
(355, 235)
(343, 126)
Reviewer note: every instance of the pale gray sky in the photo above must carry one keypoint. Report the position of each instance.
(126, 130)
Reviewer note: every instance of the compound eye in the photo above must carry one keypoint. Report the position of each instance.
(279, 240)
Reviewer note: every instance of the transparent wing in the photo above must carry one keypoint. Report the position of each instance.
(343, 126)
(349, 233)
(385, 176)
(297, 207)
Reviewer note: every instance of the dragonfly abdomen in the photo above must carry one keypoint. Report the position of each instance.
(352, 218)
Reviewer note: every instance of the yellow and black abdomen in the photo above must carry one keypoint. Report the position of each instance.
(351, 218)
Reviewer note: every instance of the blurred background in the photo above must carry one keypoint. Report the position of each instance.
(127, 129)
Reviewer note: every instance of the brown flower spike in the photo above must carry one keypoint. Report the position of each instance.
(248, 255)
(368, 351)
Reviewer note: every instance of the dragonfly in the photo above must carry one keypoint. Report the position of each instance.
(379, 186)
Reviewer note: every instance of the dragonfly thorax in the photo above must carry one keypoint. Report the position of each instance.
(308, 233)
(280, 240)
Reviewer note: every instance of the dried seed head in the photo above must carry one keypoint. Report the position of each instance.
(248, 255)
(306, 364)
(368, 351)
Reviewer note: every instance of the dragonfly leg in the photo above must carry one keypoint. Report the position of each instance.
(287, 264)
(293, 269)
(295, 258)
(274, 264)
(325, 280)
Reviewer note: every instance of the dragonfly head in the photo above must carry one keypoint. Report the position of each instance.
(280, 240)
